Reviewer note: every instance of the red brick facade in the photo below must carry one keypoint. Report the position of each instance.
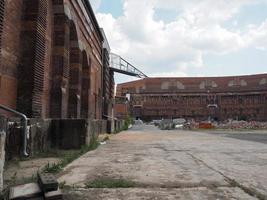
(51, 58)
(221, 98)
(121, 107)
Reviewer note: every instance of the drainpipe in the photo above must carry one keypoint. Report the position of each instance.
(24, 124)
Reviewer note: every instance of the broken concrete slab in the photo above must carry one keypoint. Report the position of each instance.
(47, 182)
(30, 190)
(25, 169)
(54, 195)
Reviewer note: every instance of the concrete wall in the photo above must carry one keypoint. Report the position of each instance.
(46, 134)
(2, 149)
(39, 138)
(50, 134)
(68, 133)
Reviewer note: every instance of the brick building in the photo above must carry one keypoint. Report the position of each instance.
(53, 60)
(201, 98)
(121, 107)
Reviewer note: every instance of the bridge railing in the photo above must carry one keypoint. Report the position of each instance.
(118, 64)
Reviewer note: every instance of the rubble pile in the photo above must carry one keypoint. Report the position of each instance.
(193, 124)
(233, 124)
(46, 188)
(168, 124)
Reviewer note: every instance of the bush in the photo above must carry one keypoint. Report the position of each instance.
(127, 123)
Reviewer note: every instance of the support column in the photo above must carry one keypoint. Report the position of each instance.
(75, 80)
(60, 63)
(34, 59)
(85, 86)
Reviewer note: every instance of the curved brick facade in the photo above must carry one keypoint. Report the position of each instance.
(221, 98)
(51, 59)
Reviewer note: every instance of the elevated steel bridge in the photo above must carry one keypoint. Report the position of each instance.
(118, 64)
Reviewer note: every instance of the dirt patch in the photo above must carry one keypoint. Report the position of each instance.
(21, 171)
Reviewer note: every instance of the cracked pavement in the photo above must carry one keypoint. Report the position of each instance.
(171, 165)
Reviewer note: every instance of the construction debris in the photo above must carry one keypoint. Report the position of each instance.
(54, 195)
(233, 124)
(229, 124)
(47, 188)
(47, 182)
(168, 124)
(27, 191)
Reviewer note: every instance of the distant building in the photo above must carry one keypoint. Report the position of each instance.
(199, 98)
(121, 107)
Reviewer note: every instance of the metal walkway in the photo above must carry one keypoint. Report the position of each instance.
(118, 64)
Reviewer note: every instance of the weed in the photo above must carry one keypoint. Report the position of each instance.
(110, 183)
(13, 178)
(52, 168)
(62, 185)
(68, 157)
(127, 123)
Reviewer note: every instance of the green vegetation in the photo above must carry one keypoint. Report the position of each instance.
(110, 183)
(52, 168)
(69, 156)
(128, 122)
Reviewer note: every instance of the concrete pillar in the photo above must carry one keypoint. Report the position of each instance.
(2, 149)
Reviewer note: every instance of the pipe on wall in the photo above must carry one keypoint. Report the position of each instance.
(24, 124)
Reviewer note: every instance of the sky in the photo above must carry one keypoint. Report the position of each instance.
(185, 38)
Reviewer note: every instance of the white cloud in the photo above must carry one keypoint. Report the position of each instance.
(257, 36)
(174, 48)
(95, 4)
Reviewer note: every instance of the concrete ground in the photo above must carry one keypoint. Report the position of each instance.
(252, 135)
(172, 165)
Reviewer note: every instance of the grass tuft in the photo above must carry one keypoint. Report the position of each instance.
(68, 157)
(110, 183)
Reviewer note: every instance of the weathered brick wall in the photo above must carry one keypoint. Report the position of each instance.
(76, 41)
(2, 149)
(33, 70)
(48, 49)
(9, 54)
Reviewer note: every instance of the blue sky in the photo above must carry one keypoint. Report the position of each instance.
(187, 37)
